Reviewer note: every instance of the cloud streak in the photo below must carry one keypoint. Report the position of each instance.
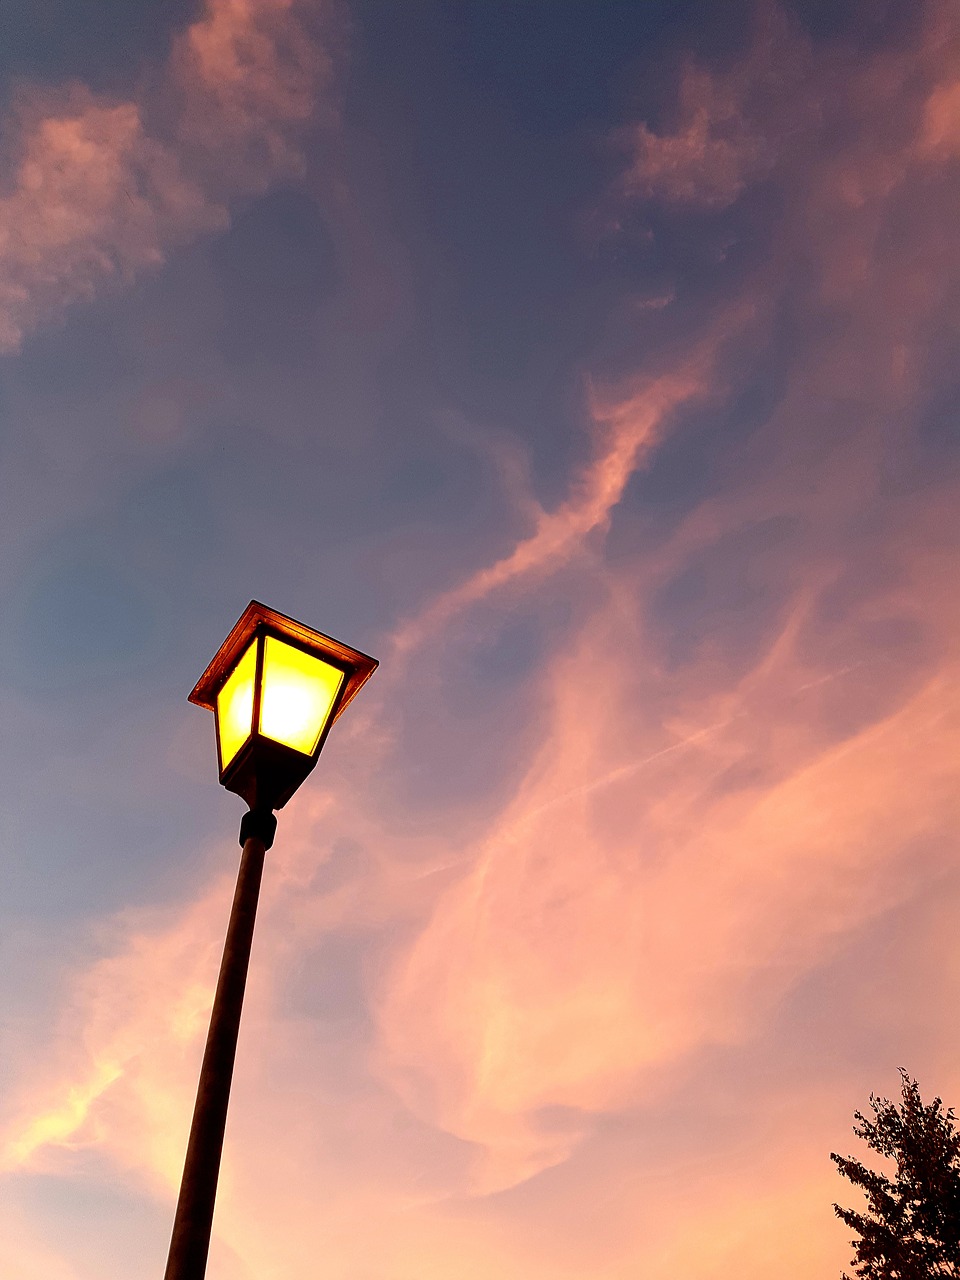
(624, 438)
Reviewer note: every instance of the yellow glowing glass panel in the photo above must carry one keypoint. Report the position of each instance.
(235, 706)
(298, 694)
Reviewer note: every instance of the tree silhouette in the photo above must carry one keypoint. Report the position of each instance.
(911, 1227)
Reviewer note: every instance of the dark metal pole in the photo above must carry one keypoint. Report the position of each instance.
(190, 1243)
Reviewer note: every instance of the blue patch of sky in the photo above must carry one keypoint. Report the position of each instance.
(495, 169)
(101, 42)
(728, 600)
(487, 196)
(95, 608)
(275, 267)
(92, 349)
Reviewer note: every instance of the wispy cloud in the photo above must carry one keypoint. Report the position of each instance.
(97, 194)
(625, 437)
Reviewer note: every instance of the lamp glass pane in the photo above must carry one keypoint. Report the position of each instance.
(235, 706)
(298, 695)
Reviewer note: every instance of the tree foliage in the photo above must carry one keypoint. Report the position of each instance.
(911, 1227)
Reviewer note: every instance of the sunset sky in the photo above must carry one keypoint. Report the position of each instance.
(595, 365)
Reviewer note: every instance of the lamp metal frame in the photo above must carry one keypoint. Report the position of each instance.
(264, 772)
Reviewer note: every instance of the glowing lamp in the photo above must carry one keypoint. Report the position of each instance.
(275, 688)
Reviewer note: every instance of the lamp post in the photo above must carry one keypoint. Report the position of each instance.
(275, 688)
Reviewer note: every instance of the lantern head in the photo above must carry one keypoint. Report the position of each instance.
(275, 688)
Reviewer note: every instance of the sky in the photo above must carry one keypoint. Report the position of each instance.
(594, 366)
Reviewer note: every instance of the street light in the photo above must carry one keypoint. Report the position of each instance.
(275, 688)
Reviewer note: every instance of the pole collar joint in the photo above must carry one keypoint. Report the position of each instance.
(261, 823)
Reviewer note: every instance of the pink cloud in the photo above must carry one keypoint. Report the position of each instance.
(254, 75)
(719, 139)
(138, 1015)
(707, 160)
(96, 198)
